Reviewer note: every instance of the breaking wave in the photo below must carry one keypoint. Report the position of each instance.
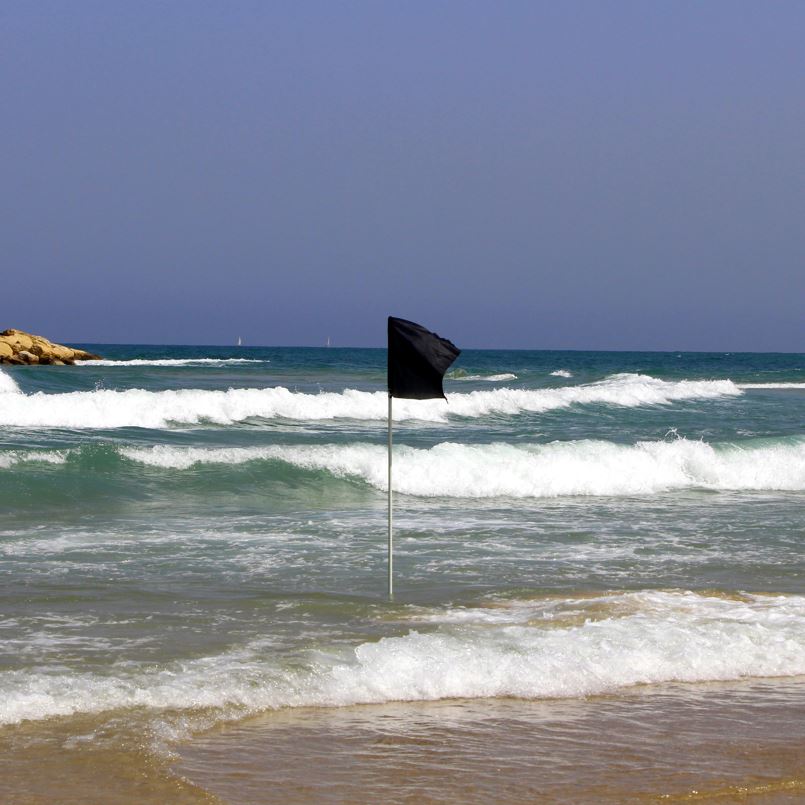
(9, 458)
(173, 362)
(525, 650)
(771, 386)
(106, 408)
(562, 373)
(7, 384)
(537, 471)
(487, 378)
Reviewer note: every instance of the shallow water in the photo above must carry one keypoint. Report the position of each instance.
(192, 551)
(675, 743)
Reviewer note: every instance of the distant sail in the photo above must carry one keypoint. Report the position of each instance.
(240, 341)
(328, 340)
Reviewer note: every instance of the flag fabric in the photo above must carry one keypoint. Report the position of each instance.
(417, 360)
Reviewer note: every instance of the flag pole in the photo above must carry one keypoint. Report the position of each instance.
(390, 559)
(417, 361)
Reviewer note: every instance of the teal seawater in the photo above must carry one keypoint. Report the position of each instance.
(202, 529)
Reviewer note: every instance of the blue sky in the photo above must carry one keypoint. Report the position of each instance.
(580, 175)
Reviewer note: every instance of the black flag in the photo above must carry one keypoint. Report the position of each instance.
(418, 360)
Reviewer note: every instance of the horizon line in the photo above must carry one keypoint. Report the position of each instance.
(463, 349)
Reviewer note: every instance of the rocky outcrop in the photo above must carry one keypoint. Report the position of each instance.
(18, 347)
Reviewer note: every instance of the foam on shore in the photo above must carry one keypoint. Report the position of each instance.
(625, 639)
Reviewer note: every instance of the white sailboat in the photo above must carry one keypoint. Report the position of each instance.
(240, 341)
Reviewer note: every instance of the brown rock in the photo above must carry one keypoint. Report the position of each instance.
(19, 347)
(62, 353)
(20, 340)
(41, 346)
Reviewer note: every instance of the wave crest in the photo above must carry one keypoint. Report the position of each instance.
(7, 384)
(105, 408)
(9, 458)
(585, 467)
(500, 378)
(173, 362)
(800, 386)
(614, 642)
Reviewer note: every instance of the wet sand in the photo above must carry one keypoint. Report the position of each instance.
(719, 742)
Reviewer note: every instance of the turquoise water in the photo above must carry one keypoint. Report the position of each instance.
(196, 534)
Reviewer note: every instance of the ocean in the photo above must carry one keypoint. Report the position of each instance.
(599, 579)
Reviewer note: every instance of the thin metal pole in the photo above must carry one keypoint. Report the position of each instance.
(391, 560)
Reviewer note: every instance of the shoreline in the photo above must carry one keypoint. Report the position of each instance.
(676, 742)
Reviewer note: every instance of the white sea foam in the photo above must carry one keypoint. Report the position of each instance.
(800, 386)
(173, 362)
(488, 378)
(106, 408)
(562, 373)
(628, 639)
(7, 384)
(583, 467)
(8, 458)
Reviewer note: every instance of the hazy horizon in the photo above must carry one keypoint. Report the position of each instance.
(463, 349)
(608, 176)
